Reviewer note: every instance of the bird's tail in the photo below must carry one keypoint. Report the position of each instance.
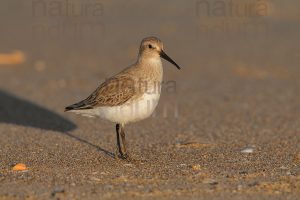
(78, 106)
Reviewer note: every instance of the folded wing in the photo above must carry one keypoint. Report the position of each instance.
(113, 92)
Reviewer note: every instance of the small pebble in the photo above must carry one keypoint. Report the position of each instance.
(210, 181)
(57, 190)
(95, 179)
(255, 183)
(196, 167)
(283, 168)
(128, 165)
(247, 150)
(243, 172)
(109, 187)
(20, 167)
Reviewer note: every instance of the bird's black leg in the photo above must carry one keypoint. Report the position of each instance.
(124, 154)
(119, 149)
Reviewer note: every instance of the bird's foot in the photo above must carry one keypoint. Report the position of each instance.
(117, 155)
(121, 155)
(124, 156)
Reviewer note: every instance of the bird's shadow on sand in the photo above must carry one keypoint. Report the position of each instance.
(15, 110)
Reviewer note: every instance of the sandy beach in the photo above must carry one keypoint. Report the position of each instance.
(227, 125)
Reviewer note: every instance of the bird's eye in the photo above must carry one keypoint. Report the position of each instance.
(150, 46)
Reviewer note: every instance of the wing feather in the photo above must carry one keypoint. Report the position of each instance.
(113, 92)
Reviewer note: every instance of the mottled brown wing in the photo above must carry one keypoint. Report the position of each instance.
(113, 92)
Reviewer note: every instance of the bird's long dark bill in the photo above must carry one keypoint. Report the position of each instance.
(166, 57)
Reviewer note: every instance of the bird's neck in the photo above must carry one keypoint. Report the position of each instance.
(152, 66)
(150, 62)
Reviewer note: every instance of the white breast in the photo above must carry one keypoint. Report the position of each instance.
(132, 111)
(136, 110)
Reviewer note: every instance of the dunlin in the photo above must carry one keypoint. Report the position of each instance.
(131, 95)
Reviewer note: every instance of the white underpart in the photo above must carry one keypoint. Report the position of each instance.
(136, 110)
(133, 110)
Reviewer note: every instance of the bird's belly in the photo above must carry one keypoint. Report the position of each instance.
(132, 111)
